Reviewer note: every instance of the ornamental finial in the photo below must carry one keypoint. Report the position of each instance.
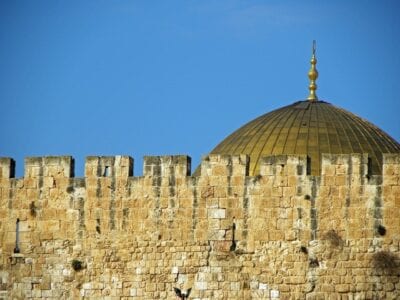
(313, 75)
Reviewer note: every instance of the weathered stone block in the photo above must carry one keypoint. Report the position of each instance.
(7, 167)
(56, 166)
(217, 213)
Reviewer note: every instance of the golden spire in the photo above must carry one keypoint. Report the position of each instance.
(313, 75)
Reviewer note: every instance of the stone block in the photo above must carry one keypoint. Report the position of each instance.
(54, 166)
(342, 288)
(176, 166)
(277, 192)
(7, 167)
(217, 213)
(274, 294)
(391, 158)
(340, 180)
(200, 285)
(392, 180)
(109, 166)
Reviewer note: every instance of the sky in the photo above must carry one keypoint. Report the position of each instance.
(173, 77)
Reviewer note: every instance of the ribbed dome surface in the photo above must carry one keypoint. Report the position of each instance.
(310, 128)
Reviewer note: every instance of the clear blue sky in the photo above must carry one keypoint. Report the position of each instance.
(176, 77)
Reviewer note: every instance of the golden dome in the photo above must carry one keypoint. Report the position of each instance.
(311, 128)
(308, 128)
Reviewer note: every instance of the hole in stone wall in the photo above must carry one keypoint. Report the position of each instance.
(77, 265)
(304, 249)
(381, 230)
(16, 249)
(32, 209)
(98, 226)
(233, 243)
(308, 165)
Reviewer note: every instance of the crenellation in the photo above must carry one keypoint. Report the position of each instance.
(7, 168)
(391, 159)
(167, 166)
(287, 232)
(49, 166)
(284, 165)
(109, 166)
(225, 165)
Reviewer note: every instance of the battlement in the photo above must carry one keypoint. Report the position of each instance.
(7, 167)
(109, 166)
(285, 165)
(222, 232)
(180, 165)
(55, 166)
(225, 165)
(164, 166)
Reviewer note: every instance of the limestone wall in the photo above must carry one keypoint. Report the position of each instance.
(278, 235)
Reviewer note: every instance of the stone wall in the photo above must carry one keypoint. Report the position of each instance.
(278, 235)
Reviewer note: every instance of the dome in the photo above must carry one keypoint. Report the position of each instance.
(308, 128)
(311, 128)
